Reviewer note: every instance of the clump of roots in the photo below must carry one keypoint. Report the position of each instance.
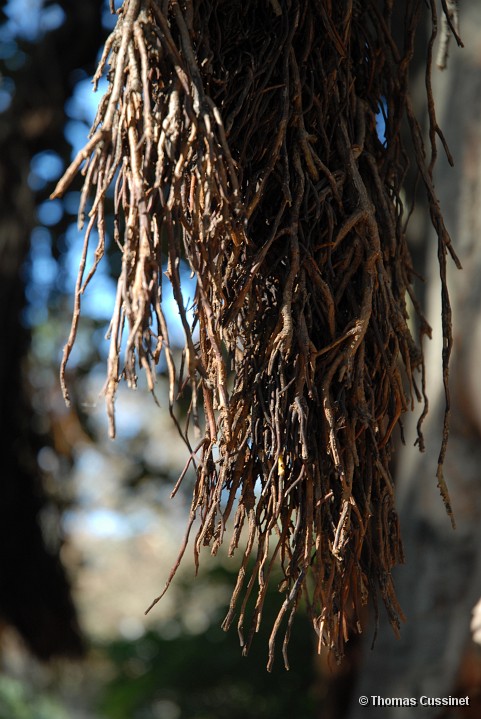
(242, 137)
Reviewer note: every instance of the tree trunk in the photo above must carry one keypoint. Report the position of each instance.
(34, 591)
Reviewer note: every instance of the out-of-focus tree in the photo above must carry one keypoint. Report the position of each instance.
(37, 70)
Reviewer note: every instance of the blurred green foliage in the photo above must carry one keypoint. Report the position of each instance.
(19, 701)
(205, 676)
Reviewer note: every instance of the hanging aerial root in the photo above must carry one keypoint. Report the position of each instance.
(240, 137)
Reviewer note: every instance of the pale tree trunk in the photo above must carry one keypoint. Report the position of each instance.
(441, 580)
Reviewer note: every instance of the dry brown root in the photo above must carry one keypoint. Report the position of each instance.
(242, 137)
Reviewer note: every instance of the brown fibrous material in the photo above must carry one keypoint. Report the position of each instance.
(241, 137)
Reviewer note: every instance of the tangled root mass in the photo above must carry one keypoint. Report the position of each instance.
(241, 137)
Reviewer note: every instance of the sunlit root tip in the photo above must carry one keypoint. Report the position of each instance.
(65, 394)
(151, 606)
(63, 387)
(111, 420)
